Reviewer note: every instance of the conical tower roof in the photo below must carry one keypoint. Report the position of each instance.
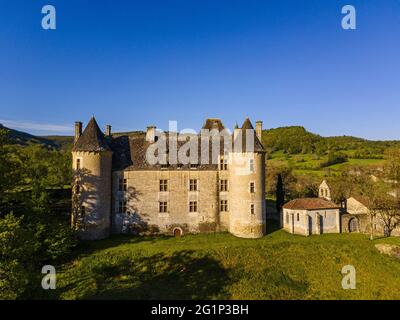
(92, 139)
(247, 124)
(258, 147)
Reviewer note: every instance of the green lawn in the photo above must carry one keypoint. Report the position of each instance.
(221, 266)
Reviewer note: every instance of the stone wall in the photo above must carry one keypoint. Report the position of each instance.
(143, 196)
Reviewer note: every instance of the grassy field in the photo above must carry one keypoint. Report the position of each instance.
(221, 266)
(310, 164)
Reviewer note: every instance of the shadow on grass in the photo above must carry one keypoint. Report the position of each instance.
(272, 226)
(88, 247)
(182, 275)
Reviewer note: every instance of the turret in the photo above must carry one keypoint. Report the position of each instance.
(247, 189)
(92, 166)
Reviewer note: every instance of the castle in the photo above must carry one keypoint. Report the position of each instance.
(117, 190)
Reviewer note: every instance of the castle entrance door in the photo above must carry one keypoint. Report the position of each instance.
(177, 232)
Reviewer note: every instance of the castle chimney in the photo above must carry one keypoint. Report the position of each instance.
(78, 130)
(108, 131)
(151, 134)
(259, 130)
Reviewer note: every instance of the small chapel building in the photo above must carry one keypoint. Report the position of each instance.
(310, 216)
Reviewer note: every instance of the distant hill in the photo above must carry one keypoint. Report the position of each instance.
(289, 140)
(62, 142)
(23, 138)
(297, 140)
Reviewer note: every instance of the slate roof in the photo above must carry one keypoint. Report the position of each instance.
(130, 153)
(92, 139)
(129, 149)
(310, 204)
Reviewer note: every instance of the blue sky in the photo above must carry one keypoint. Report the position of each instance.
(135, 63)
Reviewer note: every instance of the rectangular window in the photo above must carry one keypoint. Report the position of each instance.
(122, 206)
(78, 164)
(223, 205)
(122, 184)
(251, 165)
(223, 185)
(193, 206)
(252, 208)
(163, 185)
(251, 187)
(193, 185)
(223, 164)
(287, 218)
(298, 217)
(163, 206)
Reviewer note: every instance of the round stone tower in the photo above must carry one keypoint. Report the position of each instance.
(92, 171)
(247, 183)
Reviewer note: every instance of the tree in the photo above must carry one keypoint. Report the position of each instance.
(14, 249)
(390, 215)
(31, 231)
(10, 173)
(280, 194)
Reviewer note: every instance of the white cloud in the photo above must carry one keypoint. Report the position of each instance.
(27, 125)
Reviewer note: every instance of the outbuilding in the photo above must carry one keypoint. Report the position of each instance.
(308, 216)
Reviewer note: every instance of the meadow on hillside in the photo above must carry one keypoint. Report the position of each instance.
(221, 266)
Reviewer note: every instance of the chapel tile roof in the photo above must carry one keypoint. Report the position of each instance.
(310, 204)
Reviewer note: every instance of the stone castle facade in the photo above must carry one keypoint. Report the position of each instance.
(116, 190)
